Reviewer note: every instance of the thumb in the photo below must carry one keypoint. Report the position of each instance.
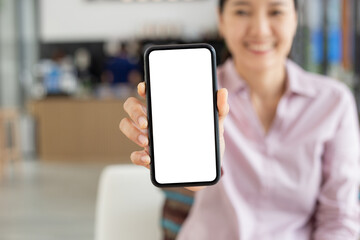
(222, 103)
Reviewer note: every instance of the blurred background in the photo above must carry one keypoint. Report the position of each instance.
(66, 67)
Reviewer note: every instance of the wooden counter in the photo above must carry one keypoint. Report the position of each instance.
(80, 130)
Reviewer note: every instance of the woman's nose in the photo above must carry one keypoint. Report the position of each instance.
(259, 26)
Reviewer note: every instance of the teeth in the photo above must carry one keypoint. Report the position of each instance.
(260, 47)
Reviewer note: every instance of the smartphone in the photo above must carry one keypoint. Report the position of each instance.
(181, 89)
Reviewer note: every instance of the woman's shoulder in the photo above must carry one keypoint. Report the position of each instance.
(227, 76)
(222, 69)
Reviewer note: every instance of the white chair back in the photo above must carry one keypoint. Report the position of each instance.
(128, 205)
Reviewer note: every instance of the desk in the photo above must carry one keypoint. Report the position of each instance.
(80, 130)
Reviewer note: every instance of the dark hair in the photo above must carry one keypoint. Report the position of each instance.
(222, 3)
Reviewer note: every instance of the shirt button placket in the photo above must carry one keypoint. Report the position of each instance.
(267, 171)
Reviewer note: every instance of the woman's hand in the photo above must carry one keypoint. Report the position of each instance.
(135, 126)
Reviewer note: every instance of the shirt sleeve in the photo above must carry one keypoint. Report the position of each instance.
(337, 211)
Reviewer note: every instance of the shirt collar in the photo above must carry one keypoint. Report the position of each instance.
(296, 83)
(235, 84)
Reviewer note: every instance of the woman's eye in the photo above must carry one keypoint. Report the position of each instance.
(242, 12)
(275, 13)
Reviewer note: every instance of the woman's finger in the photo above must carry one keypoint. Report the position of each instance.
(136, 111)
(141, 89)
(140, 158)
(138, 136)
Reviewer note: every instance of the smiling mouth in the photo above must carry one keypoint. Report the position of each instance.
(260, 47)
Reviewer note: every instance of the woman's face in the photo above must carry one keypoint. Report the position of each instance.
(258, 33)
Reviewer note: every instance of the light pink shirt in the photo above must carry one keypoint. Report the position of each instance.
(299, 181)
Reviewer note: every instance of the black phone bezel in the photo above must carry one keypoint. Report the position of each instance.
(149, 112)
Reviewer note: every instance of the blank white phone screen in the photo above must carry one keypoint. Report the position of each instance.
(182, 101)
